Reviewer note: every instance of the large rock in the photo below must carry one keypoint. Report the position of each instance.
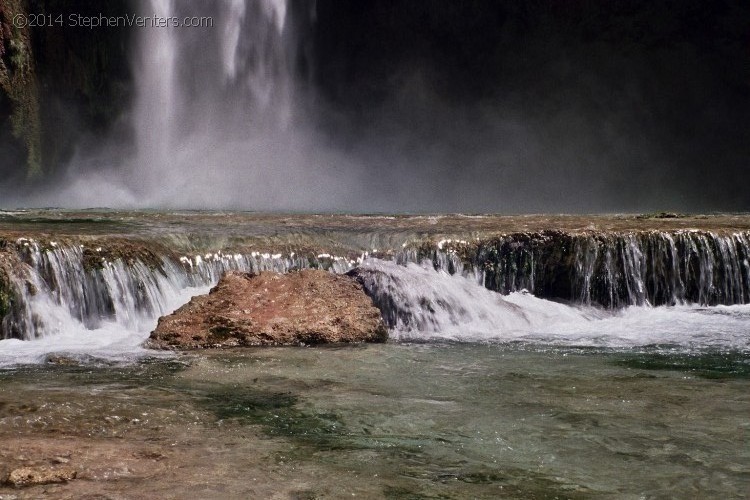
(304, 307)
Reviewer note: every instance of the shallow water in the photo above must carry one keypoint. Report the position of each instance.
(478, 395)
(389, 421)
(215, 230)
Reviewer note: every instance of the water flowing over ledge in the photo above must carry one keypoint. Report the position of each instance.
(422, 305)
(430, 290)
(608, 269)
(130, 290)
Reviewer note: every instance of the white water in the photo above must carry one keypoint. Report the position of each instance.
(112, 341)
(684, 327)
(614, 270)
(431, 305)
(108, 314)
(214, 105)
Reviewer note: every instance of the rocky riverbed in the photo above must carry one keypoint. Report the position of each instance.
(383, 421)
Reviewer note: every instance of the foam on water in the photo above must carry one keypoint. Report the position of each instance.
(62, 305)
(110, 341)
(421, 304)
(685, 327)
(108, 314)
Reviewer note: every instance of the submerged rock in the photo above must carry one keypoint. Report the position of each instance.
(304, 307)
(31, 476)
(61, 360)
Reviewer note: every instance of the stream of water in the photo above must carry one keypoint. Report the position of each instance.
(477, 394)
(389, 421)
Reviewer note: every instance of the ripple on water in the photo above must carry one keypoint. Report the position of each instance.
(394, 421)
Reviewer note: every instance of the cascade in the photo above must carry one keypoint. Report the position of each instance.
(609, 269)
(416, 301)
(59, 280)
(60, 284)
(421, 304)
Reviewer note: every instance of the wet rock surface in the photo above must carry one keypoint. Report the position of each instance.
(33, 476)
(304, 307)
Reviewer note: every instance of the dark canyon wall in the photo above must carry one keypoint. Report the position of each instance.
(60, 85)
(638, 100)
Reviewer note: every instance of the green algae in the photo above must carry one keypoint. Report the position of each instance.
(732, 365)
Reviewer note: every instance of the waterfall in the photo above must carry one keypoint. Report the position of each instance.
(93, 286)
(66, 293)
(609, 269)
(422, 304)
(416, 301)
(212, 101)
(62, 285)
(157, 90)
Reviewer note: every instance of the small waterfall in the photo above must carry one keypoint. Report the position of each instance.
(609, 269)
(425, 305)
(446, 289)
(417, 301)
(59, 284)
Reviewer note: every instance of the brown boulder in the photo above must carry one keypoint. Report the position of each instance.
(303, 307)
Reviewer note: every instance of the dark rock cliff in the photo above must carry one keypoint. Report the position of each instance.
(60, 84)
